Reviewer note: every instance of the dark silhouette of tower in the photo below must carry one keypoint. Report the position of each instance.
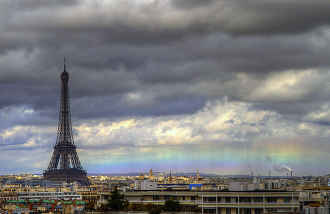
(64, 164)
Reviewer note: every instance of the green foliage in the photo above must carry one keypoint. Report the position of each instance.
(90, 206)
(172, 206)
(117, 201)
(155, 210)
(137, 207)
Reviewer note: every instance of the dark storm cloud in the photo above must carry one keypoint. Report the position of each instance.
(143, 63)
(143, 70)
(167, 74)
(273, 17)
(37, 4)
(189, 4)
(261, 17)
(159, 22)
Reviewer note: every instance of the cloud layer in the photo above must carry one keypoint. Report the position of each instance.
(153, 79)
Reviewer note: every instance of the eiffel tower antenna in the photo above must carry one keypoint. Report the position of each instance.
(64, 64)
(65, 164)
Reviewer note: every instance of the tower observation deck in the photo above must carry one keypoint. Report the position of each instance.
(65, 164)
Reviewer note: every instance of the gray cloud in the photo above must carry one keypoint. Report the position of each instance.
(164, 58)
(186, 4)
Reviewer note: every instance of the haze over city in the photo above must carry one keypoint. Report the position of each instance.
(219, 86)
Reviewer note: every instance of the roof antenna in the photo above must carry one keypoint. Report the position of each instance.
(64, 64)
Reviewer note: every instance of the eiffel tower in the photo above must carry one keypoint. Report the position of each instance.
(64, 164)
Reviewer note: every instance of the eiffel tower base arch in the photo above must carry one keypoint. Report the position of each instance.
(67, 175)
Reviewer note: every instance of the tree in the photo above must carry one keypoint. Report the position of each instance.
(172, 206)
(155, 210)
(117, 201)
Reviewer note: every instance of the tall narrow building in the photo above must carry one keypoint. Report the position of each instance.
(65, 164)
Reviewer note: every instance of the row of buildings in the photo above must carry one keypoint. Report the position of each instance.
(217, 194)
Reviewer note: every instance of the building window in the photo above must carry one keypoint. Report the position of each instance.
(271, 200)
(258, 199)
(257, 211)
(210, 199)
(244, 199)
(246, 211)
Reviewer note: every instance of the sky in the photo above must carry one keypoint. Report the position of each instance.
(219, 86)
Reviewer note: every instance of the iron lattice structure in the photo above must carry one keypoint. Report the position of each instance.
(65, 164)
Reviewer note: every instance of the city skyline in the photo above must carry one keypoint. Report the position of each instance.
(223, 87)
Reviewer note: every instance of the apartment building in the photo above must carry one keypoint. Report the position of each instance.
(220, 202)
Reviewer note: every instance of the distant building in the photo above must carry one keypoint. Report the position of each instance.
(145, 185)
(195, 186)
(49, 196)
(218, 202)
